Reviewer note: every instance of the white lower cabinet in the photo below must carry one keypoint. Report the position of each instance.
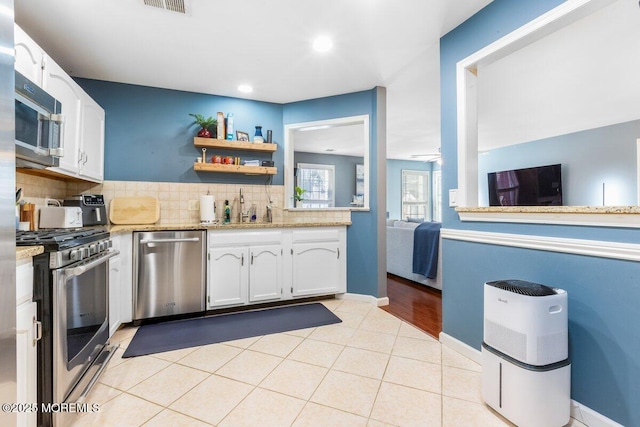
(120, 282)
(318, 261)
(316, 269)
(265, 273)
(27, 335)
(250, 267)
(243, 267)
(227, 277)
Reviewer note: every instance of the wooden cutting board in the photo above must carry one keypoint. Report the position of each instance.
(134, 210)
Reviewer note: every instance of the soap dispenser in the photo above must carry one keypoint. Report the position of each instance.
(227, 212)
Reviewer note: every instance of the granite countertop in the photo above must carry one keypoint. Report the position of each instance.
(23, 252)
(615, 210)
(116, 229)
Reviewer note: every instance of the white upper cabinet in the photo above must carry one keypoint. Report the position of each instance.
(62, 87)
(83, 126)
(29, 56)
(92, 136)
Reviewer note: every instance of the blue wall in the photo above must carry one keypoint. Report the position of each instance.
(394, 183)
(362, 235)
(604, 345)
(149, 133)
(589, 158)
(345, 173)
(149, 137)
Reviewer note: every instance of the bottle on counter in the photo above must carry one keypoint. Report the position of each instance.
(227, 212)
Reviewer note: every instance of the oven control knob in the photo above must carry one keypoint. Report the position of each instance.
(86, 252)
(93, 249)
(102, 246)
(75, 255)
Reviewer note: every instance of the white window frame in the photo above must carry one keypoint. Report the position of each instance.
(437, 195)
(426, 202)
(318, 203)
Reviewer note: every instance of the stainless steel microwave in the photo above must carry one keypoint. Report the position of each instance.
(38, 126)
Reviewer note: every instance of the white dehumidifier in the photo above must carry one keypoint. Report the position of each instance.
(526, 372)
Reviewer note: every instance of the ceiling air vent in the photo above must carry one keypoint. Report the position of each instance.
(172, 5)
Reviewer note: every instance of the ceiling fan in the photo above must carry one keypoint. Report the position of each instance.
(427, 157)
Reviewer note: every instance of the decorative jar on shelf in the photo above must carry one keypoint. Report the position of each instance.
(257, 138)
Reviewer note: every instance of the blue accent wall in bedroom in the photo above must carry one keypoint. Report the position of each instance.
(149, 133)
(362, 235)
(603, 293)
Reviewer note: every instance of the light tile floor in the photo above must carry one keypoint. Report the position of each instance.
(370, 370)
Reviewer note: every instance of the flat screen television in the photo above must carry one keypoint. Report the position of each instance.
(537, 186)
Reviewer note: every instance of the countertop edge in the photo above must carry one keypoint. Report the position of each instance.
(24, 252)
(614, 210)
(592, 216)
(118, 229)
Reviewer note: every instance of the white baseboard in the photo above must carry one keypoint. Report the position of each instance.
(462, 348)
(589, 417)
(579, 412)
(364, 298)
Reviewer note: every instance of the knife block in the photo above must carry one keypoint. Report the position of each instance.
(28, 214)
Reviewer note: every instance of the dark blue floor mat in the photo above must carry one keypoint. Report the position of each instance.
(178, 334)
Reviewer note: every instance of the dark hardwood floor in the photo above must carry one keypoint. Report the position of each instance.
(414, 303)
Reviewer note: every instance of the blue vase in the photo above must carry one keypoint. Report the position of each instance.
(258, 135)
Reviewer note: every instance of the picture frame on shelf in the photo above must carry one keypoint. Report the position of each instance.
(242, 136)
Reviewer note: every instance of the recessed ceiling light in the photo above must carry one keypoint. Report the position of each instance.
(245, 88)
(322, 44)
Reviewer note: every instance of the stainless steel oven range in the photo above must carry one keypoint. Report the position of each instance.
(71, 289)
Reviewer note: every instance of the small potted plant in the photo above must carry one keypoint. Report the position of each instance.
(205, 124)
(298, 196)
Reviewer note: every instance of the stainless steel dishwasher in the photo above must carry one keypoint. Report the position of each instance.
(169, 273)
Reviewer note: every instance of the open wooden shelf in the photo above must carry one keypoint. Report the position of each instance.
(247, 170)
(233, 145)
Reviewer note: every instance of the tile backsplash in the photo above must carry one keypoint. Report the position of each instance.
(174, 198)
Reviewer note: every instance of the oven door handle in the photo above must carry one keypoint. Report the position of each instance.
(81, 269)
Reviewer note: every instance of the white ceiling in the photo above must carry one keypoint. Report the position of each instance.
(346, 140)
(219, 45)
(581, 77)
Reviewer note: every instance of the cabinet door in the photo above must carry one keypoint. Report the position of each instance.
(92, 137)
(265, 273)
(29, 56)
(227, 277)
(316, 268)
(62, 87)
(114, 294)
(26, 361)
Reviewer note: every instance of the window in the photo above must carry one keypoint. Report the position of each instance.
(415, 195)
(318, 183)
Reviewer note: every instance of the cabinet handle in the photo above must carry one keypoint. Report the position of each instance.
(38, 326)
(242, 260)
(251, 258)
(338, 253)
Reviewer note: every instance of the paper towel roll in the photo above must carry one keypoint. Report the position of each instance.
(207, 211)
